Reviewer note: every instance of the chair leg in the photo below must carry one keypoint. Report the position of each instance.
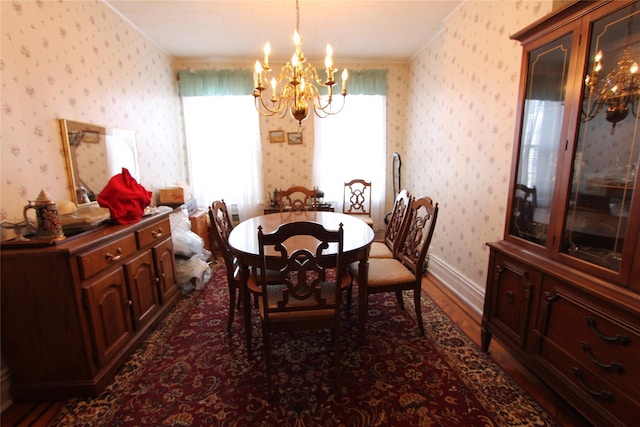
(232, 307)
(349, 298)
(267, 355)
(336, 362)
(418, 306)
(400, 300)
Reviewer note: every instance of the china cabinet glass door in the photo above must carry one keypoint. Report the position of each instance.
(543, 112)
(607, 147)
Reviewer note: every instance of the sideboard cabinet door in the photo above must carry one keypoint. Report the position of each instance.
(141, 280)
(166, 277)
(108, 307)
(509, 300)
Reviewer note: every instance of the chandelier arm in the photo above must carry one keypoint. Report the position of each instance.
(323, 113)
(596, 108)
(264, 109)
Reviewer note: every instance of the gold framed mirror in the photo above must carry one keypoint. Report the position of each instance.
(94, 154)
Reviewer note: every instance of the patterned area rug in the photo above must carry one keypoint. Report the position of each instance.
(190, 372)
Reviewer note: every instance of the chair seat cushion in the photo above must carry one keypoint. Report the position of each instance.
(380, 250)
(384, 271)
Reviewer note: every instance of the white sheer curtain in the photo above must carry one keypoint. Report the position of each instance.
(539, 147)
(352, 144)
(225, 156)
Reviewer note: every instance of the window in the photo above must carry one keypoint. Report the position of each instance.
(352, 144)
(224, 151)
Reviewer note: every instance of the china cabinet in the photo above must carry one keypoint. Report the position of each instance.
(563, 288)
(74, 310)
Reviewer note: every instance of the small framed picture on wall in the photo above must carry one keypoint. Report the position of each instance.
(276, 136)
(294, 137)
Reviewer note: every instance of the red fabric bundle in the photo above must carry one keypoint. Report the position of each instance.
(125, 198)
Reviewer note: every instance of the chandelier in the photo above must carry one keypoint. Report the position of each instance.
(296, 87)
(619, 91)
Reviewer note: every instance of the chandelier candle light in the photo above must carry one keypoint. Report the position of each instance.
(619, 91)
(295, 87)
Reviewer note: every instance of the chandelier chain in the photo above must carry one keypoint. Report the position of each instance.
(298, 16)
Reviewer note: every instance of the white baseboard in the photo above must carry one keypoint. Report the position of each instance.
(468, 292)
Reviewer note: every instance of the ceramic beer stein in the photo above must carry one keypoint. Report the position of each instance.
(48, 220)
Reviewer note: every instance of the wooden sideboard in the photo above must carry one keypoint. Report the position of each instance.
(74, 310)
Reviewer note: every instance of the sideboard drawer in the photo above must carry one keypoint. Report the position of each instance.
(598, 391)
(152, 233)
(98, 259)
(599, 354)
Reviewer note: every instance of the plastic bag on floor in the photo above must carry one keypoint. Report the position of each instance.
(191, 270)
(191, 256)
(186, 243)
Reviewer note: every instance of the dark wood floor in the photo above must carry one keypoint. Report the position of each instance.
(40, 415)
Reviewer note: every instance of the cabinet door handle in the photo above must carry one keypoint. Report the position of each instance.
(613, 365)
(607, 395)
(624, 340)
(111, 257)
(509, 297)
(157, 234)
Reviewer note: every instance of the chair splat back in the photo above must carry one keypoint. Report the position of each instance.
(222, 226)
(357, 197)
(398, 221)
(297, 198)
(421, 223)
(302, 273)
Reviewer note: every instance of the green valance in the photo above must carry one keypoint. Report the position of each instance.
(364, 82)
(215, 82)
(240, 82)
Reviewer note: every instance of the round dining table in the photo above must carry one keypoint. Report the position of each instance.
(243, 241)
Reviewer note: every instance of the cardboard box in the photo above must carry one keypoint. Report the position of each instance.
(172, 195)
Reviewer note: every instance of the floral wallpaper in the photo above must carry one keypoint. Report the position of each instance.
(79, 60)
(460, 130)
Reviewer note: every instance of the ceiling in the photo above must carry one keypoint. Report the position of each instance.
(232, 30)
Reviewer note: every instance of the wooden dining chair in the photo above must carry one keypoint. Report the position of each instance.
(297, 198)
(389, 247)
(356, 200)
(221, 227)
(404, 272)
(305, 297)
